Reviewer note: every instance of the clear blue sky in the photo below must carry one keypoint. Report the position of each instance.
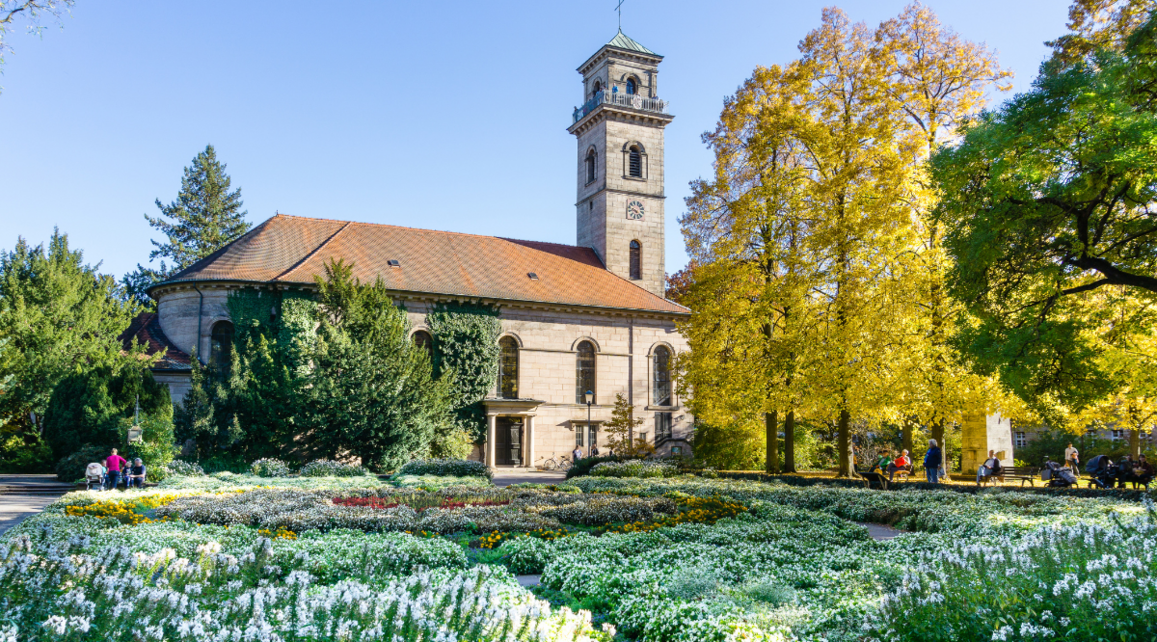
(444, 115)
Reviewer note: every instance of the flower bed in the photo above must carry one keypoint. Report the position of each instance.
(662, 559)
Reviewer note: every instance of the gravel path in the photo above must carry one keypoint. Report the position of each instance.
(880, 532)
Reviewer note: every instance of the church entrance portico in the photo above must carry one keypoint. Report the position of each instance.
(510, 432)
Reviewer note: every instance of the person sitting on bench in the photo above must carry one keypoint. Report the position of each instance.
(900, 464)
(990, 468)
(882, 463)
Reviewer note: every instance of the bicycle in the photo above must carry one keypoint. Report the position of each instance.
(562, 463)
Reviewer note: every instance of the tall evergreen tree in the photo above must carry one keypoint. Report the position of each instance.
(204, 218)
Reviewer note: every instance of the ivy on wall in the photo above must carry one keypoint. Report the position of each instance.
(466, 344)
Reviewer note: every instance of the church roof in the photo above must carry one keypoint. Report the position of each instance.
(622, 41)
(146, 329)
(294, 249)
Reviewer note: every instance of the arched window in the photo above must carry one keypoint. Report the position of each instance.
(598, 88)
(585, 371)
(592, 157)
(221, 345)
(508, 368)
(423, 340)
(661, 395)
(636, 260)
(632, 88)
(636, 163)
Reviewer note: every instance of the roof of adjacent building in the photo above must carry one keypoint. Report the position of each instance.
(293, 250)
(622, 41)
(146, 329)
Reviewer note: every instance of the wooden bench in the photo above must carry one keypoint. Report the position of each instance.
(873, 480)
(1023, 473)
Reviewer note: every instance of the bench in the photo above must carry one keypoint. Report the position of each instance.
(873, 480)
(1023, 473)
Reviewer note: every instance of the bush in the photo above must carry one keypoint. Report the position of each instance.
(269, 468)
(71, 468)
(583, 466)
(185, 468)
(327, 468)
(634, 468)
(24, 454)
(446, 468)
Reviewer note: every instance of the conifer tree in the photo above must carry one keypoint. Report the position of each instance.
(205, 217)
(621, 428)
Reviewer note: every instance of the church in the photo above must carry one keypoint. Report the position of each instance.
(580, 324)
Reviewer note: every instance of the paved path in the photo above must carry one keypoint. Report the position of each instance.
(508, 477)
(16, 505)
(880, 532)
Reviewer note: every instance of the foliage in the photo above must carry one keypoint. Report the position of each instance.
(90, 407)
(24, 453)
(621, 428)
(452, 442)
(205, 217)
(447, 468)
(71, 468)
(1047, 211)
(58, 317)
(635, 469)
(584, 465)
(185, 468)
(270, 468)
(466, 345)
(326, 468)
(32, 12)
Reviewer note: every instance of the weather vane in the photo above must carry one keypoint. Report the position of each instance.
(620, 10)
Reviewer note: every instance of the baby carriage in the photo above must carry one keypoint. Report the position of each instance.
(94, 475)
(1103, 470)
(1057, 475)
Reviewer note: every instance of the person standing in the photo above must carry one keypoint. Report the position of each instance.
(113, 463)
(594, 450)
(932, 462)
(576, 454)
(1072, 459)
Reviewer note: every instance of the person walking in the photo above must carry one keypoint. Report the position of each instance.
(1072, 459)
(932, 462)
(113, 463)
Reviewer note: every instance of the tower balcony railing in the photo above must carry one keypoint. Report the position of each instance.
(622, 99)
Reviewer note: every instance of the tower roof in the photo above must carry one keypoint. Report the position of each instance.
(622, 41)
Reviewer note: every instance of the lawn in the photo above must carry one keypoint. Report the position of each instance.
(622, 558)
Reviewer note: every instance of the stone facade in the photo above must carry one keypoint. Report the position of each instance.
(981, 433)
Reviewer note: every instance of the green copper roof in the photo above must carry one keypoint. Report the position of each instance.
(623, 42)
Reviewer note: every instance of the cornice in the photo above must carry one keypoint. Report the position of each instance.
(430, 297)
(619, 113)
(607, 51)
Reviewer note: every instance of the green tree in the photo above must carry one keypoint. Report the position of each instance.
(466, 348)
(621, 430)
(58, 317)
(1047, 206)
(370, 392)
(205, 217)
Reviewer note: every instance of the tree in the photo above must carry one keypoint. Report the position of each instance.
(205, 217)
(466, 348)
(31, 11)
(621, 429)
(1048, 212)
(58, 317)
(1096, 25)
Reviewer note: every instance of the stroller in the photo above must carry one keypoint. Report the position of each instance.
(94, 475)
(1057, 475)
(1103, 470)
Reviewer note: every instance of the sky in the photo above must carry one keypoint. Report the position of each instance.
(441, 115)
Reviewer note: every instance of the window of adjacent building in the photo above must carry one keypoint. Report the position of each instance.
(584, 371)
(579, 431)
(636, 161)
(636, 260)
(1019, 439)
(1118, 434)
(632, 88)
(661, 394)
(221, 345)
(508, 368)
(592, 157)
(662, 426)
(423, 340)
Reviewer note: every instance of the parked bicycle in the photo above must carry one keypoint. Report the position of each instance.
(561, 463)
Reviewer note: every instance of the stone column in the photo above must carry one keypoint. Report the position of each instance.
(528, 450)
(491, 429)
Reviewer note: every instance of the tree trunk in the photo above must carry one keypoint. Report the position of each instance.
(844, 442)
(906, 436)
(771, 426)
(789, 442)
(1135, 444)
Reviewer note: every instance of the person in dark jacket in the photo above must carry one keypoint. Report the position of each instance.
(136, 474)
(932, 462)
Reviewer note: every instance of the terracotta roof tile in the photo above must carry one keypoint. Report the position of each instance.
(146, 329)
(292, 249)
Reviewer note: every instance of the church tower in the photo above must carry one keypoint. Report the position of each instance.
(620, 161)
